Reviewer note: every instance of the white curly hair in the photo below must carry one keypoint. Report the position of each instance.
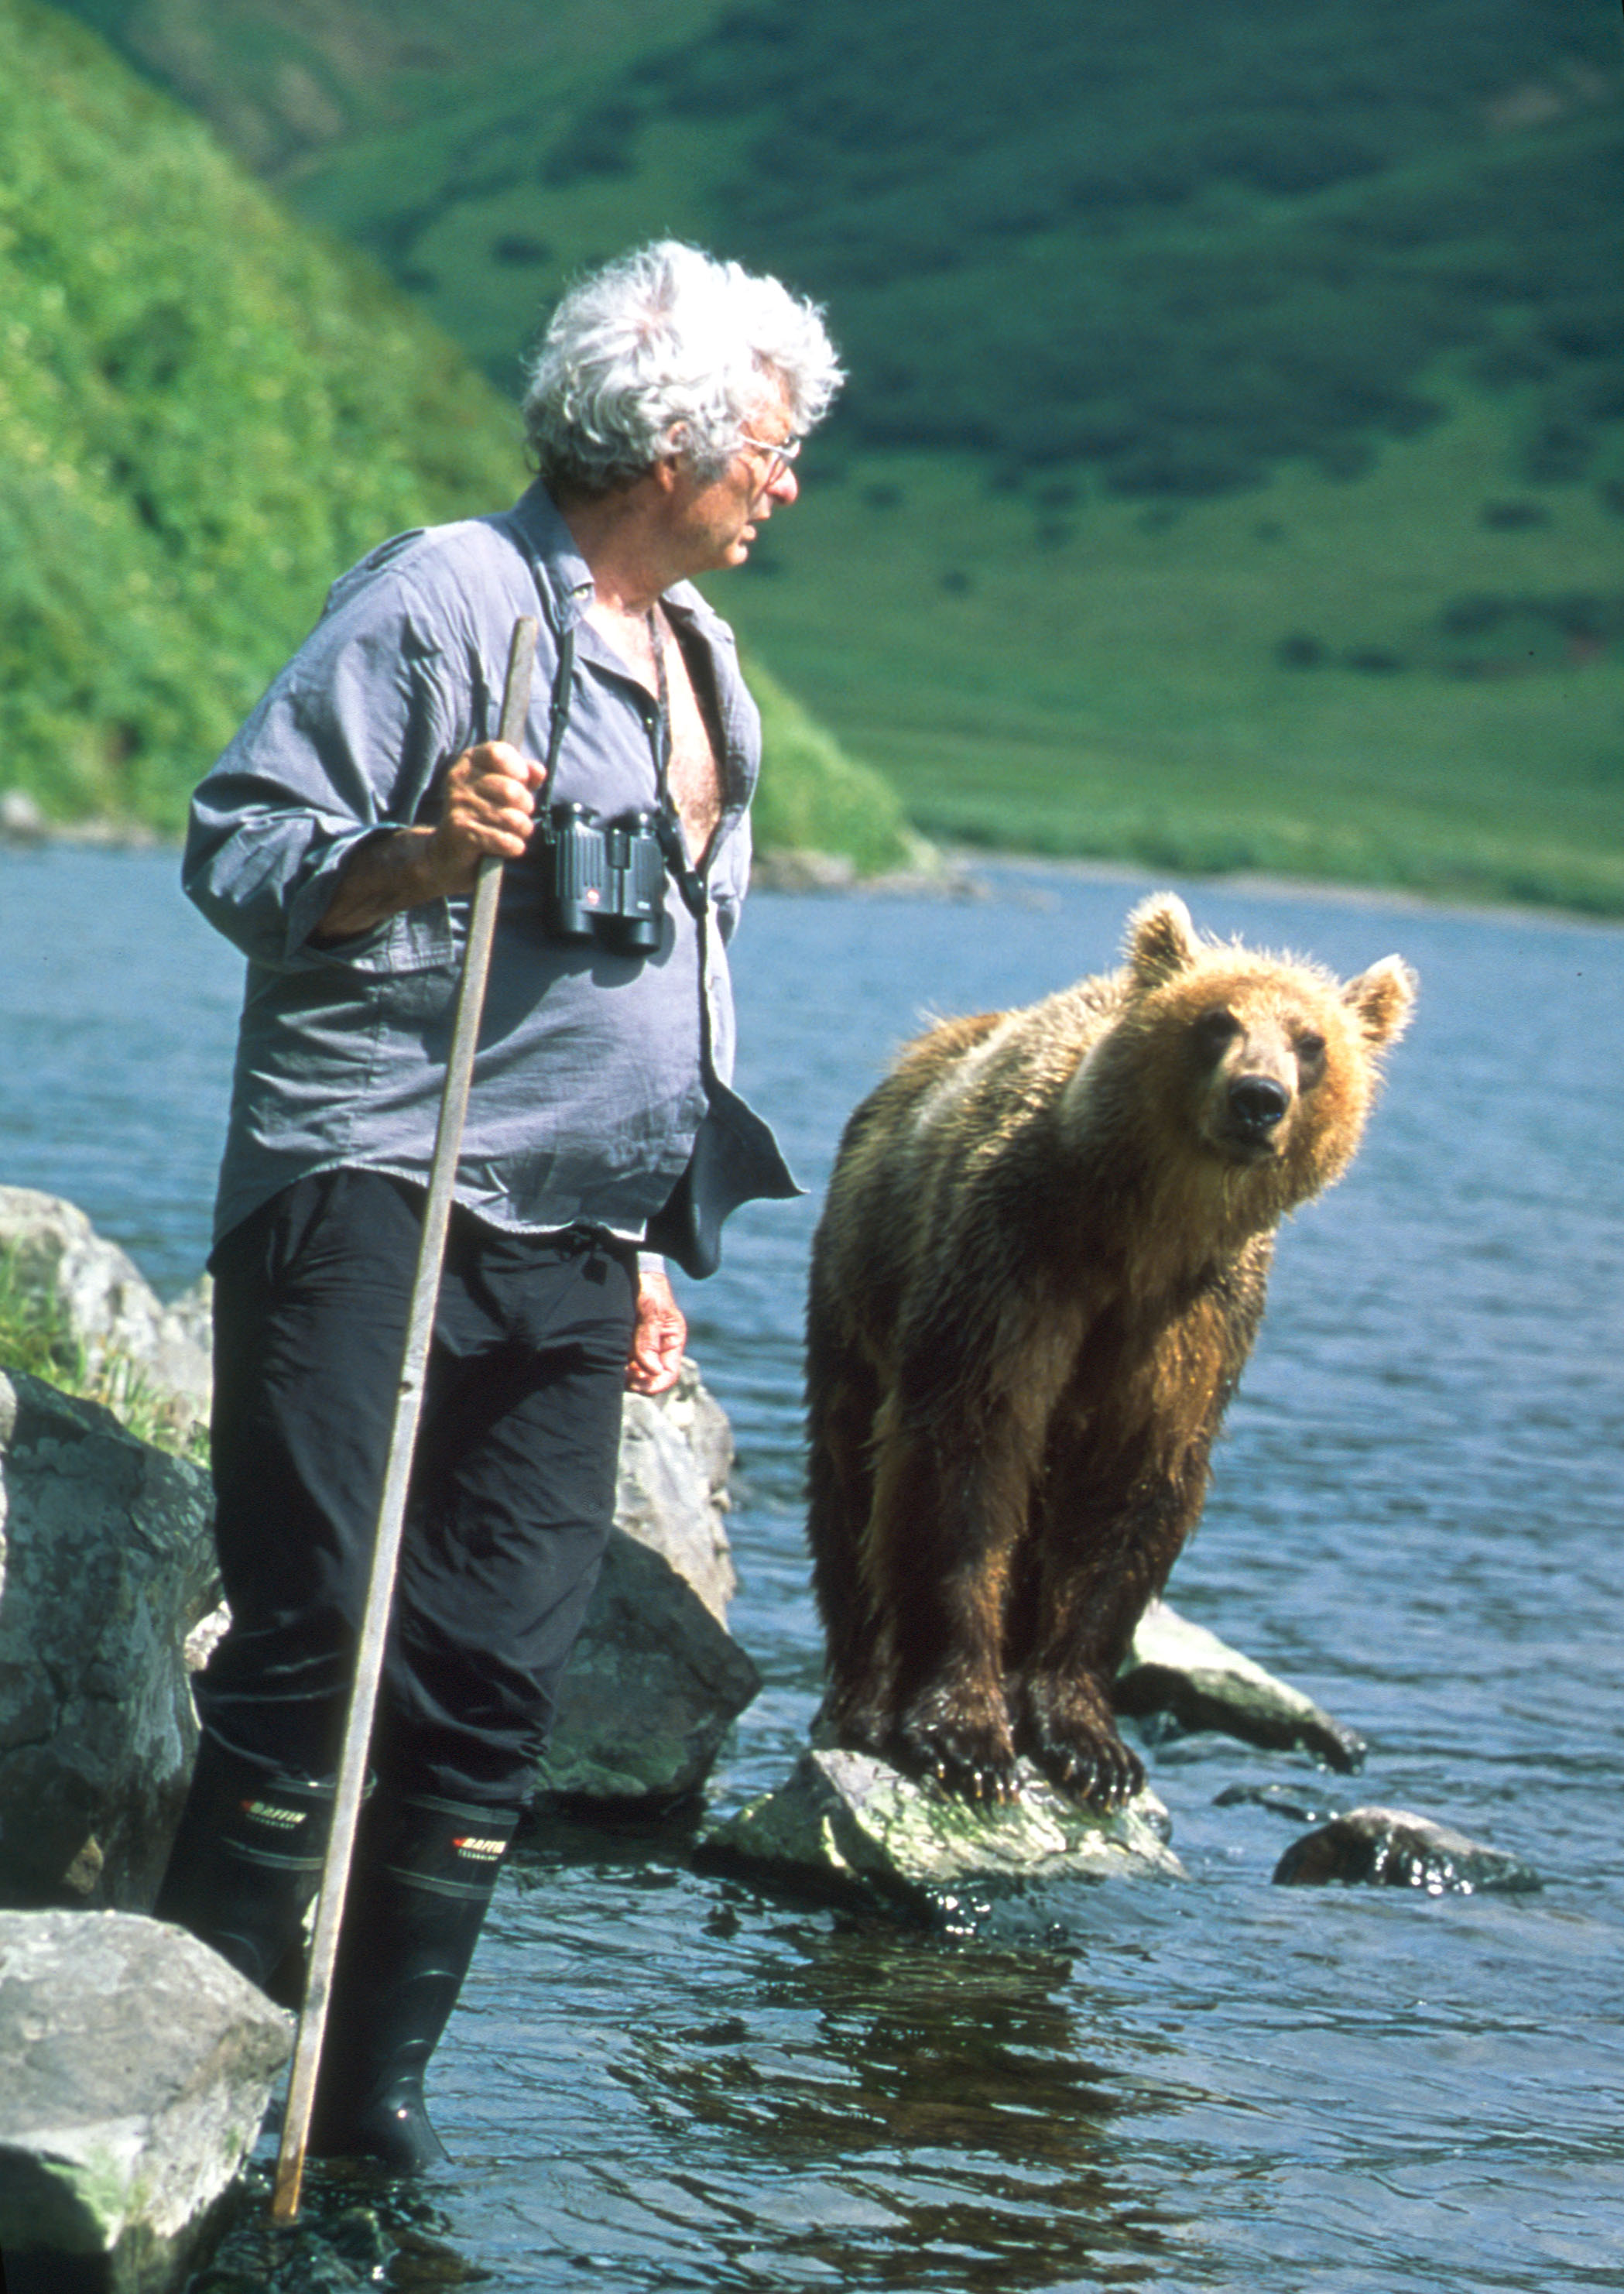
(668, 351)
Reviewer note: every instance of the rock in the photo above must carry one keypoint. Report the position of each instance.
(106, 1563)
(337, 2248)
(672, 1494)
(656, 1680)
(1301, 1802)
(1390, 1848)
(137, 2070)
(110, 1310)
(201, 1642)
(21, 821)
(849, 1825)
(927, 873)
(1184, 1672)
(799, 870)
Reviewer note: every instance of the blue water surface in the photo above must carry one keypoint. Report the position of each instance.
(664, 2080)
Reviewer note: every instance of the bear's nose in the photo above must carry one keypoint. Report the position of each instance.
(1258, 1101)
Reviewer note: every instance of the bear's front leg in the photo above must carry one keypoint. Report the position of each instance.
(945, 1522)
(1108, 1541)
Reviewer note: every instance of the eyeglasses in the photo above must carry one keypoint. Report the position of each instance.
(779, 454)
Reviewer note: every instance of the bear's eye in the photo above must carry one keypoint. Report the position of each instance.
(1311, 1055)
(1213, 1029)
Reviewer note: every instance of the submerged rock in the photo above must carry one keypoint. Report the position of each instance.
(847, 1823)
(106, 1564)
(1300, 1801)
(1183, 1670)
(656, 1679)
(1391, 1848)
(137, 2070)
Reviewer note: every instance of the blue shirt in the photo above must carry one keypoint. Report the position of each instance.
(588, 1085)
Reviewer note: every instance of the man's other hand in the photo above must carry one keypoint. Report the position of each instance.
(661, 1334)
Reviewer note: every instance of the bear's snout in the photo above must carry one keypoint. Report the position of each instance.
(1258, 1104)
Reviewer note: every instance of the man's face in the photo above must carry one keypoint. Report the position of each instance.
(714, 521)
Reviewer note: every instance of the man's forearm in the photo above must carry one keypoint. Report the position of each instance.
(490, 809)
(389, 873)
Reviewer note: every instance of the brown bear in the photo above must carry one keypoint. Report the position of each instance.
(1036, 1279)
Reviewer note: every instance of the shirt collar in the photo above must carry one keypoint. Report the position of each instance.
(562, 571)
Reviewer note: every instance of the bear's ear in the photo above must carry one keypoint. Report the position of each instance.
(1382, 998)
(1161, 940)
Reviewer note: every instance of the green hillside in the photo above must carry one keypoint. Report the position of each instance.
(205, 412)
(1233, 469)
(1174, 245)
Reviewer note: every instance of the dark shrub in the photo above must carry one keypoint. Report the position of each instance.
(1300, 651)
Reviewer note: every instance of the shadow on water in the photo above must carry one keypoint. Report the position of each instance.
(792, 2097)
(942, 2118)
(884, 2108)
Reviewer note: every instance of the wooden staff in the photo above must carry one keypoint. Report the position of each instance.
(397, 1475)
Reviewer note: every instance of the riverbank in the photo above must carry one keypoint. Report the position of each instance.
(950, 872)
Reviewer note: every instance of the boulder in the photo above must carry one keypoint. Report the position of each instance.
(108, 1592)
(1390, 1848)
(848, 1825)
(106, 1563)
(656, 1680)
(138, 2066)
(672, 1494)
(21, 820)
(1183, 1672)
(128, 1335)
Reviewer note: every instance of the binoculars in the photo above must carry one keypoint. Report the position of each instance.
(603, 880)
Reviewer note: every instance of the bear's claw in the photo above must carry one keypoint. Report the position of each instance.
(973, 1759)
(1068, 1731)
(1103, 1775)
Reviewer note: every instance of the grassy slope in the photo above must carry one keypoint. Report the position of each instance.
(1058, 666)
(1118, 692)
(285, 84)
(1106, 682)
(204, 414)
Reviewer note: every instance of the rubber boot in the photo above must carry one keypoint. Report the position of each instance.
(246, 1864)
(423, 1875)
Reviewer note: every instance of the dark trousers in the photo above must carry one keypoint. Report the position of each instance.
(512, 1492)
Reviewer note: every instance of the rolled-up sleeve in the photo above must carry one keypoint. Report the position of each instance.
(348, 741)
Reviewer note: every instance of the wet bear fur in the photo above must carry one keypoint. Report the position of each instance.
(1037, 1277)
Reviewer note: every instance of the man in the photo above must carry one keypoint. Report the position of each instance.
(335, 842)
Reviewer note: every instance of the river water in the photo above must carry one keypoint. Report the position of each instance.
(661, 2079)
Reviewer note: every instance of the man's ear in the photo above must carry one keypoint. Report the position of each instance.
(668, 469)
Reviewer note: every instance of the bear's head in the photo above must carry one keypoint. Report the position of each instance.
(1252, 1071)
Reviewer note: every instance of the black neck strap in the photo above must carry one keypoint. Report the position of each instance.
(559, 716)
(672, 844)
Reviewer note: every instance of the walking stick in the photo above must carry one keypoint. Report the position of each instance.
(392, 1510)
